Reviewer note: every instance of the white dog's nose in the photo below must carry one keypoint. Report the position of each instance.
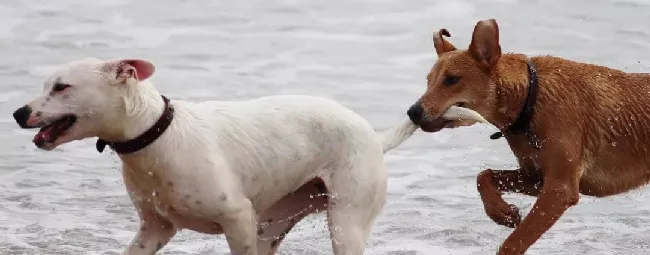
(22, 115)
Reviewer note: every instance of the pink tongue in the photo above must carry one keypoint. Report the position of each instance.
(42, 137)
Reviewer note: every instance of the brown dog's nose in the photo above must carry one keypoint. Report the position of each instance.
(22, 115)
(415, 113)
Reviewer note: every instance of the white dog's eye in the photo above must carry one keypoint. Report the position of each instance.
(60, 87)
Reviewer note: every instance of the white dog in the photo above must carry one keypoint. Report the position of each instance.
(221, 167)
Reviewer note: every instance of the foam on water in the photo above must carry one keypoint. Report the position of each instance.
(371, 55)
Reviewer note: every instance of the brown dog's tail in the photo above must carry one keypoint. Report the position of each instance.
(397, 135)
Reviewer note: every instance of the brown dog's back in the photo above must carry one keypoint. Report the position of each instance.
(609, 111)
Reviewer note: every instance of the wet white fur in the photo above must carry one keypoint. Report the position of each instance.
(250, 152)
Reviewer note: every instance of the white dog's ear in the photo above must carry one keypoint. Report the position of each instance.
(125, 69)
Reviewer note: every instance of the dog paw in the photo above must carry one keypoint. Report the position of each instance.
(505, 215)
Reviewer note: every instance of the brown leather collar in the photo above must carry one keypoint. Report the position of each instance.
(522, 123)
(144, 139)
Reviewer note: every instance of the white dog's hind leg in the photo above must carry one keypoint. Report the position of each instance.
(350, 227)
(356, 198)
(154, 233)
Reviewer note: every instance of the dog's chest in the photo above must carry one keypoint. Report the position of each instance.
(167, 198)
(526, 155)
(175, 211)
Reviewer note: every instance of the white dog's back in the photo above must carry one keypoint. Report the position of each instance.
(300, 133)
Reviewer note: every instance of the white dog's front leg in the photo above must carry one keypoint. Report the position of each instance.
(240, 228)
(154, 233)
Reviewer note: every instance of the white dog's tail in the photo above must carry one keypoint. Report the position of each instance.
(397, 135)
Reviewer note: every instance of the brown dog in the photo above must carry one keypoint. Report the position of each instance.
(584, 129)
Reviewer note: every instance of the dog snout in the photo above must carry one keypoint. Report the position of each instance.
(415, 113)
(22, 116)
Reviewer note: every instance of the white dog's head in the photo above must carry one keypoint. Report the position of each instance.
(82, 99)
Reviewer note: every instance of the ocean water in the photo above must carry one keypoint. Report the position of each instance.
(371, 55)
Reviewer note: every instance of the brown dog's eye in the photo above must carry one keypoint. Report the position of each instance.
(450, 80)
(60, 87)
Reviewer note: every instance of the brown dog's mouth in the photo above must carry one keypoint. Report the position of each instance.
(436, 125)
(440, 122)
(52, 131)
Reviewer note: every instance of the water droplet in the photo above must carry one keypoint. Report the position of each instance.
(614, 144)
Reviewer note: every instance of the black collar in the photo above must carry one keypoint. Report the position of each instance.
(522, 123)
(144, 139)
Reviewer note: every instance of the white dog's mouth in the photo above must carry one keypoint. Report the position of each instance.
(52, 131)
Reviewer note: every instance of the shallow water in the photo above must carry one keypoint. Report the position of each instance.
(371, 55)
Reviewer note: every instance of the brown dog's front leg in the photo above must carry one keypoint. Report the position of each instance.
(560, 191)
(492, 183)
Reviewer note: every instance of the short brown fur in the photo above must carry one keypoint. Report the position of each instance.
(593, 123)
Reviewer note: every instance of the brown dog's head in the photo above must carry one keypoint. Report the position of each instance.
(459, 88)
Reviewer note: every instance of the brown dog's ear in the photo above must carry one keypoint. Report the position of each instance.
(440, 43)
(485, 46)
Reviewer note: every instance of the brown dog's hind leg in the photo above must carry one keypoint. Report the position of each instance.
(492, 183)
